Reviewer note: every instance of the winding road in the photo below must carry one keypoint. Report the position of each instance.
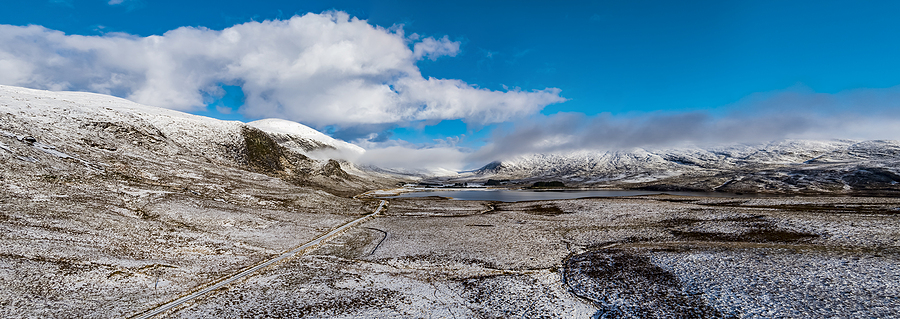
(221, 282)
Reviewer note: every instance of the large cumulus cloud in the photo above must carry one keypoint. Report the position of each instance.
(319, 69)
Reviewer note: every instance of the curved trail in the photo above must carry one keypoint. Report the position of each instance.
(244, 273)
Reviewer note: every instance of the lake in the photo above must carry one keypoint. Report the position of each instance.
(508, 195)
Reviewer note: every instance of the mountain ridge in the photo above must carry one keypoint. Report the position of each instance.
(789, 166)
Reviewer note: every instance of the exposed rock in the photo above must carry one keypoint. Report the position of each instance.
(333, 169)
(262, 153)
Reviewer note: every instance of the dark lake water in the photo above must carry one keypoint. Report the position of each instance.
(507, 195)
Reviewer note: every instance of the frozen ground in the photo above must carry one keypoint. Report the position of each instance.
(642, 257)
(110, 246)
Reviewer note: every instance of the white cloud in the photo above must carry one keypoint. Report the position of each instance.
(431, 160)
(442, 157)
(129, 5)
(66, 3)
(431, 48)
(319, 69)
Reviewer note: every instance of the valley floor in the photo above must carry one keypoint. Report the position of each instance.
(644, 257)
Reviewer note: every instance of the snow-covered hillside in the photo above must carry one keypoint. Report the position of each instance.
(104, 198)
(780, 166)
(98, 131)
(68, 120)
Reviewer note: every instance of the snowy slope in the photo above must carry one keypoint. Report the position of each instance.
(72, 111)
(587, 165)
(71, 117)
(100, 130)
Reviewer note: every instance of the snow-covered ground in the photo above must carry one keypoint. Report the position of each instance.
(641, 257)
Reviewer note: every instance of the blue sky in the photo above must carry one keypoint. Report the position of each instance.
(626, 60)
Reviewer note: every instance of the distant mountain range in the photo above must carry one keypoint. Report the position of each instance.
(787, 166)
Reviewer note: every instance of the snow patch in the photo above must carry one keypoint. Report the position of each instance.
(50, 150)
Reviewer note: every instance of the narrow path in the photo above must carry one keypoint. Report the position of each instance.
(383, 238)
(231, 278)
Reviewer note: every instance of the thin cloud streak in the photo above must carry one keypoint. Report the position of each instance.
(795, 113)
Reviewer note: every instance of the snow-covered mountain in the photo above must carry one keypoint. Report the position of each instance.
(781, 166)
(87, 133)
